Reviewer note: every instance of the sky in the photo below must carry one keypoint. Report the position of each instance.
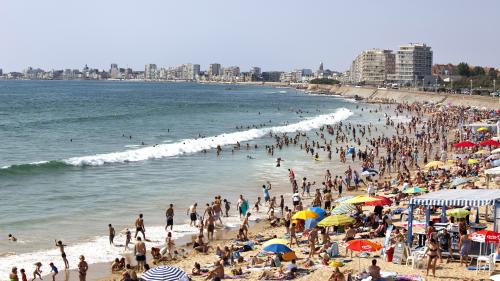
(272, 34)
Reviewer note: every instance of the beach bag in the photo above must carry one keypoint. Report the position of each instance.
(289, 256)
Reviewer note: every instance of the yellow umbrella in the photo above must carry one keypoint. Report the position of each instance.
(275, 241)
(473, 161)
(434, 164)
(482, 151)
(360, 199)
(336, 220)
(482, 129)
(304, 215)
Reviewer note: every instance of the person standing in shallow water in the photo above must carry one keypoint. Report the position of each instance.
(61, 246)
(139, 227)
(111, 234)
(169, 213)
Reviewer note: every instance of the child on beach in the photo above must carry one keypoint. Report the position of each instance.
(53, 270)
(37, 271)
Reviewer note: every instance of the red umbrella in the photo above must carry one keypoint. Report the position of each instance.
(485, 236)
(384, 201)
(490, 143)
(464, 144)
(363, 245)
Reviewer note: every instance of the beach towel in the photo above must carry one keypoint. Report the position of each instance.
(244, 207)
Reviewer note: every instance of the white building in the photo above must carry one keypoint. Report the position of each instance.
(150, 72)
(413, 64)
(373, 67)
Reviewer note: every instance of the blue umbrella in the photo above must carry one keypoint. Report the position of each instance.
(165, 273)
(321, 213)
(350, 150)
(277, 248)
(496, 163)
(311, 223)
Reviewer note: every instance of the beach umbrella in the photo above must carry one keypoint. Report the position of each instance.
(458, 213)
(360, 199)
(459, 181)
(362, 245)
(383, 201)
(275, 241)
(342, 199)
(481, 152)
(496, 150)
(485, 236)
(415, 189)
(165, 273)
(473, 161)
(311, 223)
(493, 157)
(277, 248)
(336, 220)
(434, 164)
(483, 129)
(343, 209)
(490, 143)
(304, 215)
(496, 163)
(321, 213)
(464, 144)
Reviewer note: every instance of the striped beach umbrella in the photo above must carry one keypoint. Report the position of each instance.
(413, 190)
(342, 199)
(434, 164)
(275, 241)
(165, 273)
(343, 209)
(459, 181)
(360, 199)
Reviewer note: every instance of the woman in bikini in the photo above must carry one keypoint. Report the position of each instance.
(433, 252)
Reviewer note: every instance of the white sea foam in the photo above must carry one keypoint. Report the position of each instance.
(98, 249)
(189, 146)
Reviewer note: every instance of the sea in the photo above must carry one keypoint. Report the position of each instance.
(76, 156)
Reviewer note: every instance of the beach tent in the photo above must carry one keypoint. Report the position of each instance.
(453, 197)
(491, 173)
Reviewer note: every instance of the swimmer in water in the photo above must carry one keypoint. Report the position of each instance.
(12, 238)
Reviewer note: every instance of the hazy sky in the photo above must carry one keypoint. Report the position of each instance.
(273, 34)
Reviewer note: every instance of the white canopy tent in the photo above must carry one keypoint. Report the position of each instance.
(454, 197)
(491, 173)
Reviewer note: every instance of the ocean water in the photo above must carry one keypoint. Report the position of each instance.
(78, 155)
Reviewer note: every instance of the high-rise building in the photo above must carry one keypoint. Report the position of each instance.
(255, 73)
(214, 69)
(230, 73)
(413, 63)
(1, 72)
(150, 72)
(114, 72)
(373, 67)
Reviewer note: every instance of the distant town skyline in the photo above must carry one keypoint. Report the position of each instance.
(273, 35)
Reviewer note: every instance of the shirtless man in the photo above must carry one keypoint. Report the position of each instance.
(140, 253)
(210, 222)
(217, 211)
(139, 227)
(61, 246)
(208, 211)
(191, 212)
(169, 213)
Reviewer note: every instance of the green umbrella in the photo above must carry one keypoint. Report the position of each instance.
(458, 213)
